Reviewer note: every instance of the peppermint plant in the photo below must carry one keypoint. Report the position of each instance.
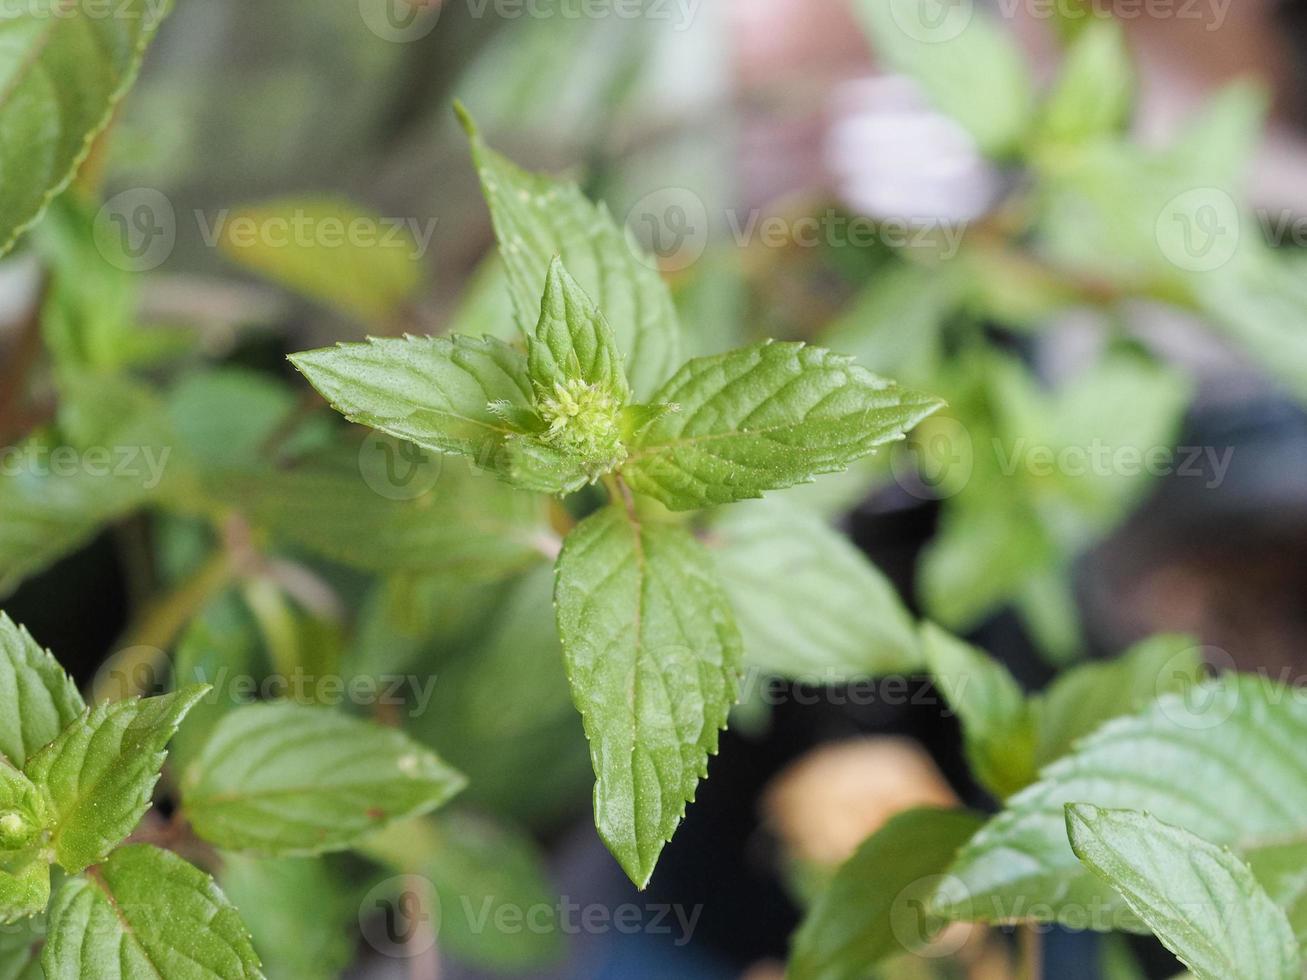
(593, 393)
(1127, 804)
(86, 890)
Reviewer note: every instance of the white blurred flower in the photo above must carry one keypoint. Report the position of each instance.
(893, 157)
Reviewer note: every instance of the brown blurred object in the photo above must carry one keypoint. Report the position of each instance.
(831, 800)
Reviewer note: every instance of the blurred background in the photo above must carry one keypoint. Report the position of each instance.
(795, 179)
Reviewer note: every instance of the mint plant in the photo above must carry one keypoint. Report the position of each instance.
(652, 651)
(1089, 218)
(75, 782)
(1118, 814)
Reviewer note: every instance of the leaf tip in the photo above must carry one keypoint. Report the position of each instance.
(466, 121)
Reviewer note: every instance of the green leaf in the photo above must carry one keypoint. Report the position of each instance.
(1079, 701)
(329, 251)
(110, 454)
(654, 659)
(24, 884)
(1094, 95)
(875, 907)
(573, 341)
(491, 881)
(1010, 737)
(294, 897)
(226, 416)
(20, 950)
(146, 913)
(1281, 868)
(809, 604)
(501, 710)
(219, 645)
(437, 392)
(965, 61)
(1263, 310)
(345, 509)
(537, 218)
(1184, 759)
(37, 699)
(285, 780)
(763, 418)
(98, 776)
(1217, 144)
(89, 317)
(1000, 727)
(1200, 900)
(66, 67)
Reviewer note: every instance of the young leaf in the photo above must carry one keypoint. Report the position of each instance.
(37, 699)
(965, 61)
(299, 897)
(146, 913)
(1184, 759)
(97, 777)
(466, 524)
(24, 884)
(653, 656)
(573, 341)
(1000, 727)
(809, 604)
(875, 907)
(1200, 900)
(20, 950)
(763, 418)
(1093, 97)
(67, 66)
(437, 392)
(537, 218)
(285, 780)
(329, 251)
(485, 874)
